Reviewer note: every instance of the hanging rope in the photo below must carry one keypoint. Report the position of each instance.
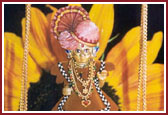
(141, 95)
(23, 98)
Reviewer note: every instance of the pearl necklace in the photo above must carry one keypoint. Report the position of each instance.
(96, 83)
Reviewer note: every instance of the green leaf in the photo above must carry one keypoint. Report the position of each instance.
(111, 39)
(102, 57)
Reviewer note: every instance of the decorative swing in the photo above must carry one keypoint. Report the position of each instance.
(141, 95)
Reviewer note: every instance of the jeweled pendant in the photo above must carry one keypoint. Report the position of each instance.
(85, 103)
(85, 91)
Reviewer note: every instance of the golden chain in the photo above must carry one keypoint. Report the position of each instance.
(76, 87)
(84, 82)
(79, 78)
(23, 98)
(143, 60)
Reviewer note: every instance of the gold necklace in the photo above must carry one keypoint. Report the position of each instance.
(86, 82)
(81, 65)
(85, 98)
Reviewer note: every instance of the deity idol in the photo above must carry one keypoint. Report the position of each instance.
(82, 76)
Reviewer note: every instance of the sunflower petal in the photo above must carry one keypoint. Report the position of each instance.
(13, 56)
(51, 7)
(126, 53)
(154, 46)
(74, 4)
(40, 49)
(127, 90)
(155, 89)
(103, 16)
(123, 54)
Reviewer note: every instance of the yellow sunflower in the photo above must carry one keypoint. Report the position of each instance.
(45, 52)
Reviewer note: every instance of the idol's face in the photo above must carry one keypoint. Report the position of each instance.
(82, 54)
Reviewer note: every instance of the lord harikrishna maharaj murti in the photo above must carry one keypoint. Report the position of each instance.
(82, 76)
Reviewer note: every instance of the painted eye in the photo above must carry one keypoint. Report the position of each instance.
(78, 50)
(86, 50)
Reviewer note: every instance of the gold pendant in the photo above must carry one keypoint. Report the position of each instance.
(85, 103)
(85, 91)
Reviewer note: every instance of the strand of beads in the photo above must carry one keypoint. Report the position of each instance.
(62, 102)
(62, 70)
(104, 100)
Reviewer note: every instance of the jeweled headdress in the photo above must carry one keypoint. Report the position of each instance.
(71, 25)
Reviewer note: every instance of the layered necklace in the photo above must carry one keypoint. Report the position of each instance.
(86, 83)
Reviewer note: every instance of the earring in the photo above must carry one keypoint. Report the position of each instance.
(95, 50)
(69, 55)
